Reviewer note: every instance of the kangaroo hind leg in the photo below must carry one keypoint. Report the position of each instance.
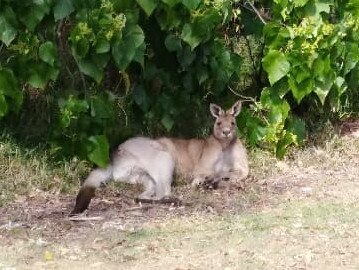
(149, 186)
(163, 185)
(156, 190)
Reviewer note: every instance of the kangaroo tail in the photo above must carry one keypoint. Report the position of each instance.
(87, 191)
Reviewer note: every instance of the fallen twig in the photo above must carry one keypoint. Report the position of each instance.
(142, 207)
(82, 218)
(11, 225)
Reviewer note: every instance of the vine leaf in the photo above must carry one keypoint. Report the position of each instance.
(40, 74)
(353, 7)
(171, 3)
(33, 14)
(62, 9)
(10, 93)
(283, 144)
(88, 67)
(140, 97)
(3, 105)
(167, 122)
(276, 65)
(300, 90)
(130, 48)
(297, 126)
(300, 3)
(173, 43)
(102, 45)
(191, 4)
(190, 37)
(7, 32)
(314, 8)
(148, 5)
(322, 93)
(352, 56)
(98, 150)
(47, 52)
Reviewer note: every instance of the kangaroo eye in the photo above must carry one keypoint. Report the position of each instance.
(219, 123)
(232, 123)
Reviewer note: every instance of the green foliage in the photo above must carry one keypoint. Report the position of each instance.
(62, 9)
(7, 31)
(148, 5)
(47, 53)
(276, 64)
(78, 119)
(98, 150)
(311, 47)
(10, 94)
(110, 69)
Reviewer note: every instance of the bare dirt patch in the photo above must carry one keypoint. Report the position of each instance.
(50, 211)
(36, 228)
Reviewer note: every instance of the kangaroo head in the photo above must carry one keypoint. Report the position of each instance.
(225, 127)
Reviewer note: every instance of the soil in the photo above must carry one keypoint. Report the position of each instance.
(50, 212)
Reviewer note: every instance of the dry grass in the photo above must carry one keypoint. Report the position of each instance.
(298, 213)
(23, 171)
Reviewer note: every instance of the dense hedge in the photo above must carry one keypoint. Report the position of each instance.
(83, 75)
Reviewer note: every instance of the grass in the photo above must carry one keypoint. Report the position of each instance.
(288, 237)
(296, 214)
(25, 170)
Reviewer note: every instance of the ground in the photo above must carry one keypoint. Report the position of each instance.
(298, 213)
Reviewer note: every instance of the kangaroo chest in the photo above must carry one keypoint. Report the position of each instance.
(224, 162)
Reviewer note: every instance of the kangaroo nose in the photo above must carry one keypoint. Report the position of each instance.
(226, 132)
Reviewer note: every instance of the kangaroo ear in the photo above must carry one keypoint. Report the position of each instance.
(216, 111)
(236, 108)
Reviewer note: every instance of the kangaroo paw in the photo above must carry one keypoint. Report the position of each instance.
(83, 200)
(211, 183)
(197, 182)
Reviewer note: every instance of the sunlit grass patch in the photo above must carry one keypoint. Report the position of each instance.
(306, 215)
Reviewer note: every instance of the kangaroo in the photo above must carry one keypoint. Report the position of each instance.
(221, 156)
(153, 162)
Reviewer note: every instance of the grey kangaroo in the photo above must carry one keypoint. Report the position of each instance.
(153, 162)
